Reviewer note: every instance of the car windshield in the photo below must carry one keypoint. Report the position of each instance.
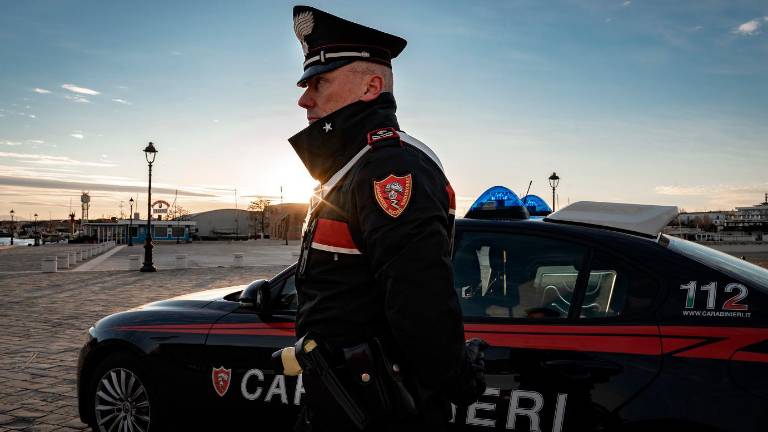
(730, 265)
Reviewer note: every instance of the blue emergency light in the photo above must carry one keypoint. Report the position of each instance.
(498, 202)
(536, 206)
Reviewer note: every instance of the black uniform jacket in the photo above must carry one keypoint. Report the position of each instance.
(376, 252)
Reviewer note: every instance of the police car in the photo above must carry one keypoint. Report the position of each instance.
(596, 321)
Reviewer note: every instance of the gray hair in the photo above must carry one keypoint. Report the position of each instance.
(370, 68)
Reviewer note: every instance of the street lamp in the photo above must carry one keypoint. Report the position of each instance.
(130, 224)
(37, 240)
(149, 153)
(12, 212)
(553, 181)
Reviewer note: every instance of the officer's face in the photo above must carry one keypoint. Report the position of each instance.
(328, 92)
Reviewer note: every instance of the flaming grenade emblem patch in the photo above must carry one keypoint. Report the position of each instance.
(303, 24)
(393, 193)
(221, 378)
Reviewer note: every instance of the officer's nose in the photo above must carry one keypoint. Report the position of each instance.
(306, 101)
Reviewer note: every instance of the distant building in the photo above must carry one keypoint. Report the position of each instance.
(119, 230)
(745, 224)
(286, 220)
(224, 224)
(750, 221)
(715, 219)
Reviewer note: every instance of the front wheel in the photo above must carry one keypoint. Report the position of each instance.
(122, 397)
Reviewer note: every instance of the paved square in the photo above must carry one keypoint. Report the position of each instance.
(45, 317)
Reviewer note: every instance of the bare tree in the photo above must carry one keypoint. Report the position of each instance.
(260, 205)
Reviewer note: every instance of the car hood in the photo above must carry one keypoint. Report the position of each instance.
(204, 307)
(197, 299)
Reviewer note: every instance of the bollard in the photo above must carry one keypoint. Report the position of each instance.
(238, 256)
(73, 257)
(79, 255)
(181, 261)
(62, 261)
(49, 264)
(133, 262)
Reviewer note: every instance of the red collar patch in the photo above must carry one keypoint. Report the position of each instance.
(393, 193)
(382, 134)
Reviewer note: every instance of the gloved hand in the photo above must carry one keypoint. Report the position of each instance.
(473, 377)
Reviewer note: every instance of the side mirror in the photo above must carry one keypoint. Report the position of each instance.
(257, 295)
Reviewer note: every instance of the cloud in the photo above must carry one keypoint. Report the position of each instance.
(80, 90)
(718, 196)
(175, 53)
(77, 135)
(78, 99)
(52, 160)
(80, 186)
(122, 101)
(626, 3)
(32, 116)
(749, 28)
(37, 141)
(10, 143)
(41, 90)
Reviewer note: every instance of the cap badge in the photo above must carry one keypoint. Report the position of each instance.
(393, 193)
(303, 24)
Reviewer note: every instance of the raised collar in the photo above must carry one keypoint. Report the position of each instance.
(328, 143)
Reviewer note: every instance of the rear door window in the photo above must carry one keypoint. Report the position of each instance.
(616, 288)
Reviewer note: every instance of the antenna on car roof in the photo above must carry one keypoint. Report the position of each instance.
(525, 197)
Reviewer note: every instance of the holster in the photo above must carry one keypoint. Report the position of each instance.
(378, 381)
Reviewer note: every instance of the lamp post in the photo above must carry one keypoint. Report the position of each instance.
(37, 240)
(12, 212)
(149, 153)
(554, 180)
(130, 224)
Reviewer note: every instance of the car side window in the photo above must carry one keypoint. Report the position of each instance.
(287, 298)
(515, 276)
(616, 288)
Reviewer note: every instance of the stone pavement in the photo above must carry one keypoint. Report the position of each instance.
(208, 254)
(45, 317)
(28, 258)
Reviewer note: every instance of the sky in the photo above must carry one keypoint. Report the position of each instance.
(652, 102)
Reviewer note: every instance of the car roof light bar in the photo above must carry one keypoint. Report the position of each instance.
(535, 205)
(498, 202)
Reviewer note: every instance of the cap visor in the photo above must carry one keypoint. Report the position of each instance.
(320, 69)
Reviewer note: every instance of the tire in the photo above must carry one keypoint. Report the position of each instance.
(123, 396)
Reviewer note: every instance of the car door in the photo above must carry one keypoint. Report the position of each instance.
(239, 350)
(564, 351)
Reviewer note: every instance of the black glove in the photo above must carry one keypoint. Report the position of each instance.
(473, 376)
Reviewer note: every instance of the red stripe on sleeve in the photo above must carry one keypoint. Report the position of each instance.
(333, 233)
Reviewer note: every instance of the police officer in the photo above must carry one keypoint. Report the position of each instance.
(376, 249)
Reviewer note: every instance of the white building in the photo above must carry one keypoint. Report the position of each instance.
(224, 224)
(716, 218)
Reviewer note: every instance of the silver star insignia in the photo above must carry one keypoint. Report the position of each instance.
(327, 127)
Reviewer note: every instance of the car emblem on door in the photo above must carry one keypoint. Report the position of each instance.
(221, 378)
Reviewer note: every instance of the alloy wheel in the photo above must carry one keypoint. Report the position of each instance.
(122, 402)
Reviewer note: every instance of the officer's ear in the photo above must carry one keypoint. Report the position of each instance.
(374, 85)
